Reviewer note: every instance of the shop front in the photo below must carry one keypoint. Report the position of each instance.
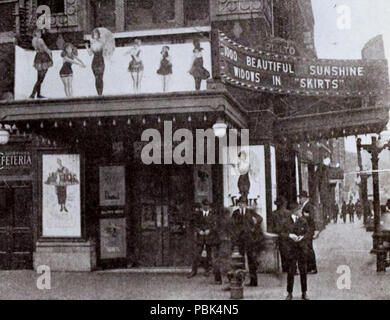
(16, 203)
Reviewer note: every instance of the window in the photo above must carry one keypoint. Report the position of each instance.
(7, 21)
(196, 10)
(56, 6)
(149, 12)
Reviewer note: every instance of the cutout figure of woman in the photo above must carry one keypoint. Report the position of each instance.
(69, 55)
(42, 62)
(98, 66)
(62, 172)
(165, 69)
(197, 70)
(136, 66)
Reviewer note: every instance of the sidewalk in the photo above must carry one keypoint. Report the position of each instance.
(340, 244)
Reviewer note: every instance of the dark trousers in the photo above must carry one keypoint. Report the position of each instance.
(297, 255)
(283, 255)
(247, 248)
(345, 218)
(212, 258)
(311, 257)
(351, 217)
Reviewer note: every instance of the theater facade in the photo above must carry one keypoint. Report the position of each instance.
(94, 181)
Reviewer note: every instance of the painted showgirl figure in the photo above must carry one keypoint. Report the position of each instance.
(42, 62)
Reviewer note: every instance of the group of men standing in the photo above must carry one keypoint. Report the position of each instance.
(350, 209)
(244, 228)
(294, 225)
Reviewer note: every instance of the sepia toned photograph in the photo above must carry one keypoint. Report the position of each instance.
(194, 154)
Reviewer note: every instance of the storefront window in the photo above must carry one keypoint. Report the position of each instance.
(148, 12)
(196, 10)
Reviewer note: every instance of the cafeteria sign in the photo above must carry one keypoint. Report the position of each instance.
(265, 71)
(14, 159)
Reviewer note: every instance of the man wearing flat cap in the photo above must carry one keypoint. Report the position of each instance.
(206, 225)
(247, 235)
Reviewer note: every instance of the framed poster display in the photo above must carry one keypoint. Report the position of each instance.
(112, 187)
(113, 238)
(61, 195)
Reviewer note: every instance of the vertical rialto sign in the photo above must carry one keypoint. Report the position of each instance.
(269, 72)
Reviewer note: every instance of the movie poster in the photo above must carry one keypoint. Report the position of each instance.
(61, 195)
(112, 186)
(113, 238)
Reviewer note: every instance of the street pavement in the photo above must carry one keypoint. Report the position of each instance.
(338, 245)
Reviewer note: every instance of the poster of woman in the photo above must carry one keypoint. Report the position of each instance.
(61, 202)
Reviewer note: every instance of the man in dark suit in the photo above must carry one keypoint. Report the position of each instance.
(279, 216)
(247, 235)
(295, 232)
(359, 209)
(308, 214)
(351, 212)
(344, 210)
(206, 224)
(335, 212)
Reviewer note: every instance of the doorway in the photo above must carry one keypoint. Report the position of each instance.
(164, 196)
(16, 239)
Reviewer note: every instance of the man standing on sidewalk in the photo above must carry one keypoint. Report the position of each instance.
(279, 216)
(206, 225)
(344, 211)
(248, 236)
(296, 232)
(351, 212)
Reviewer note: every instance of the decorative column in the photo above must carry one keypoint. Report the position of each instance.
(119, 15)
(261, 136)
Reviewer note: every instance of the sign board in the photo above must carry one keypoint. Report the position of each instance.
(235, 7)
(277, 73)
(15, 160)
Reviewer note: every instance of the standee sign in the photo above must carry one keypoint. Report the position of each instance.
(270, 72)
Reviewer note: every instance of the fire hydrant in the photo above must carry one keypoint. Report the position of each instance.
(237, 275)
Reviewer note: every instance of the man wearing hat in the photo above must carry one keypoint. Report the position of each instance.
(206, 224)
(279, 217)
(247, 235)
(296, 231)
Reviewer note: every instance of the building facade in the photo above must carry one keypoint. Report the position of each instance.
(109, 181)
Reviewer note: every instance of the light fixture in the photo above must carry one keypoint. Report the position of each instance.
(383, 139)
(219, 128)
(326, 161)
(4, 135)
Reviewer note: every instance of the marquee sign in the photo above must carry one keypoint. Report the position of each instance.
(278, 73)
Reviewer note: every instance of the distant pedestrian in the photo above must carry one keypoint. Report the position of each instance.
(359, 209)
(335, 212)
(344, 211)
(351, 212)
